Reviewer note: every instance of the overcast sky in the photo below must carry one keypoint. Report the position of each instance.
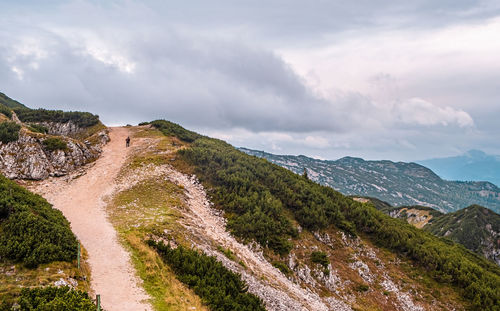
(399, 80)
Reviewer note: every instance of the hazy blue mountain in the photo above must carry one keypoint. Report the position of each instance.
(397, 183)
(473, 165)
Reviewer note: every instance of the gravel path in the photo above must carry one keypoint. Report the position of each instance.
(82, 202)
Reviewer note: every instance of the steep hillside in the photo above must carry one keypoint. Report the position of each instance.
(295, 243)
(37, 249)
(475, 227)
(396, 183)
(35, 144)
(210, 228)
(472, 165)
(9, 102)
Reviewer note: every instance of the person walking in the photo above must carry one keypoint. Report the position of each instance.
(127, 141)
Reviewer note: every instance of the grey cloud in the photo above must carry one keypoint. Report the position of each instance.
(195, 81)
(212, 68)
(290, 20)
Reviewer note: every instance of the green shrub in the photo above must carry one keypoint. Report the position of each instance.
(218, 287)
(282, 267)
(227, 252)
(447, 262)
(171, 129)
(38, 128)
(81, 119)
(32, 231)
(5, 111)
(363, 288)
(9, 131)
(9, 102)
(260, 200)
(144, 123)
(55, 143)
(321, 258)
(55, 298)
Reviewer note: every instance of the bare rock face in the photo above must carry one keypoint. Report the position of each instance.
(28, 158)
(64, 129)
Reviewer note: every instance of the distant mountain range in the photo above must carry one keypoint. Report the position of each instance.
(475, 227)
(397, 183)
(473, 165)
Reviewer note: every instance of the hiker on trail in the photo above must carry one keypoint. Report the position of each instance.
(127, 141)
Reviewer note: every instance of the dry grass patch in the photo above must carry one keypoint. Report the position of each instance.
(151, 203)
(14, 277)
(410, 278)
(159, 280)
(151, 207)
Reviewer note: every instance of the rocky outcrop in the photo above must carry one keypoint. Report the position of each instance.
(28, 158)
(65, 129)
(491, 245)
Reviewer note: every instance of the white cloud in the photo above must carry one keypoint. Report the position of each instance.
(420, 112)
(103, 55)
(19, 72)
(449, 66)
(316, 142)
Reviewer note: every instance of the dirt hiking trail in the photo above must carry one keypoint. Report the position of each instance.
(82, 202)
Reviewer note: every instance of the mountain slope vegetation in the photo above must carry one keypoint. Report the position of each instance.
(475, 227)
(81, 119)
(9, 102)
(37, 248)
(32, 231)
(258, 196)
(398, 183)
(326, 269)
(38, 143)
(220, 288)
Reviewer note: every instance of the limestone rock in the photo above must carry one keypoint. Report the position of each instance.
(28, 158)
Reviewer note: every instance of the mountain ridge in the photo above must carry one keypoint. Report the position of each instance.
(399, 183)
(476, 227)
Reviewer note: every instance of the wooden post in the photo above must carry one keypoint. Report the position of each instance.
(98, 298)
(78, 258)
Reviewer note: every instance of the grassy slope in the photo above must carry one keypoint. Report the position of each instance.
(13, 277)
(14, 274)
(472, 226)
(9, 102)
(467, 226)
(475, 278)
(145, 209)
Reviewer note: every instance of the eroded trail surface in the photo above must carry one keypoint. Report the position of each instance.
(81, 200)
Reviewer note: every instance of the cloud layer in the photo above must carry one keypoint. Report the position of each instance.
(327, 87)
